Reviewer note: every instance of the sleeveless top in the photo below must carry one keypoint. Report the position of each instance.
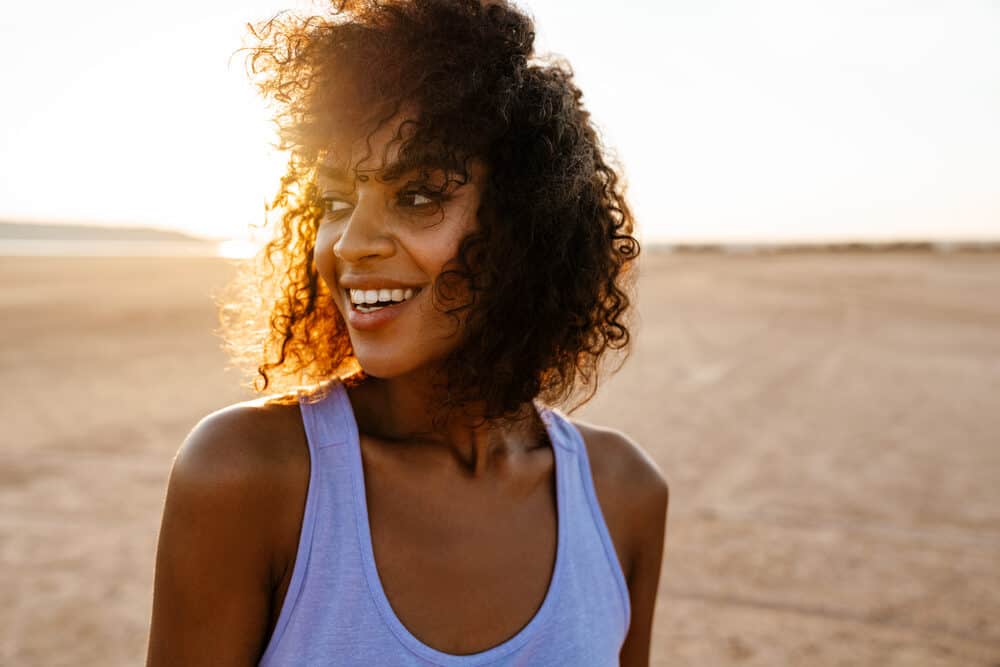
(336, 613)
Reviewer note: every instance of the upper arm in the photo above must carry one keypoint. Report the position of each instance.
(650, 502)
(214, 558)
(634, 495)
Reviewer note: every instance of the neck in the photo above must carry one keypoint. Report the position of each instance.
(400, 409)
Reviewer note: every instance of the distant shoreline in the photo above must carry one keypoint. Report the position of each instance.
(23, 239)
(832, 247)
(66, 240)
(32, 231)
(97, 248)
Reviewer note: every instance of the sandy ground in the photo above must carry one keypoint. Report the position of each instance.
(829, 423)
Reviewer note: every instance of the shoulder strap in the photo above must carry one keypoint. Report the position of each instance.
(562, 431)
(323, 414)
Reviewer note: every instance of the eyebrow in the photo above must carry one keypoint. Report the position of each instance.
(391, 172)
(334, 173)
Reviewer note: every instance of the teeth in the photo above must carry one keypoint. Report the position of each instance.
(372, 296)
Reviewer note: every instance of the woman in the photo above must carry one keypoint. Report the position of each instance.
(453, 255)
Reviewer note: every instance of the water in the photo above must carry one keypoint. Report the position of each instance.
(119, 248)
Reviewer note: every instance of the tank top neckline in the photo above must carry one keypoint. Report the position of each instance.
(561, 452)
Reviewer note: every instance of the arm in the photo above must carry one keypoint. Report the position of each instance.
(214, 561)
(643, 580)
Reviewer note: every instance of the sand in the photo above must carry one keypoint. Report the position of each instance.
(829, 425)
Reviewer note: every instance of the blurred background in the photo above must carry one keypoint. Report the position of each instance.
(816, 366)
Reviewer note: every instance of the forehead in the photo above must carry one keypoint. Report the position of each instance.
(352, 148)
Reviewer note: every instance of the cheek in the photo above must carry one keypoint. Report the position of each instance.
(458, 224)
(447, 291)
(454, 286)
(324, 261)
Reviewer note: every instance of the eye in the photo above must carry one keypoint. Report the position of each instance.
(414, 199)
(334, 206)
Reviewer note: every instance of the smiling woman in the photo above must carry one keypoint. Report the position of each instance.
(452, 256)
(414, 218)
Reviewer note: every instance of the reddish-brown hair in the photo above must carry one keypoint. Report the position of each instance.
(549, 263)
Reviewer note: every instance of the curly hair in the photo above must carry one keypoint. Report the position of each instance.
(549, 264)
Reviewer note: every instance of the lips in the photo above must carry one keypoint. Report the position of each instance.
(371, 321)
(398, 296)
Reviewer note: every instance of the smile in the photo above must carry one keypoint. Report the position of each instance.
(368, 301)
(373, 309)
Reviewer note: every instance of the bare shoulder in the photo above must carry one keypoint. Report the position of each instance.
(248, 459)
(633, 493)
(621, 465)
(232, 508)
(631, 488)
(244, 443)
(250, 455)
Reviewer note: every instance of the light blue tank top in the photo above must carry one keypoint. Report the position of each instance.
(336, 613)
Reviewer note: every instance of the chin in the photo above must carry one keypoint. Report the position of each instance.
(387, 362)
(383, 366)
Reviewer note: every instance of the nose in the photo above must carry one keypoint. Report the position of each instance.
(365, 233)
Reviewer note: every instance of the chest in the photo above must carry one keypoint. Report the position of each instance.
(464, 564)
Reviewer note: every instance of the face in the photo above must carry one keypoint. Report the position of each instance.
(387, 241)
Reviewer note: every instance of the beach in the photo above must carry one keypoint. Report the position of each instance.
(829, 424)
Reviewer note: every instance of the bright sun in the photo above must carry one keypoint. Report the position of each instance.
(765, 120)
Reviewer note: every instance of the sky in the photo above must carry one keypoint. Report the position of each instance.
(735, 120)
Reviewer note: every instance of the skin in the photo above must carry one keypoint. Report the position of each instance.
(237, 490)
